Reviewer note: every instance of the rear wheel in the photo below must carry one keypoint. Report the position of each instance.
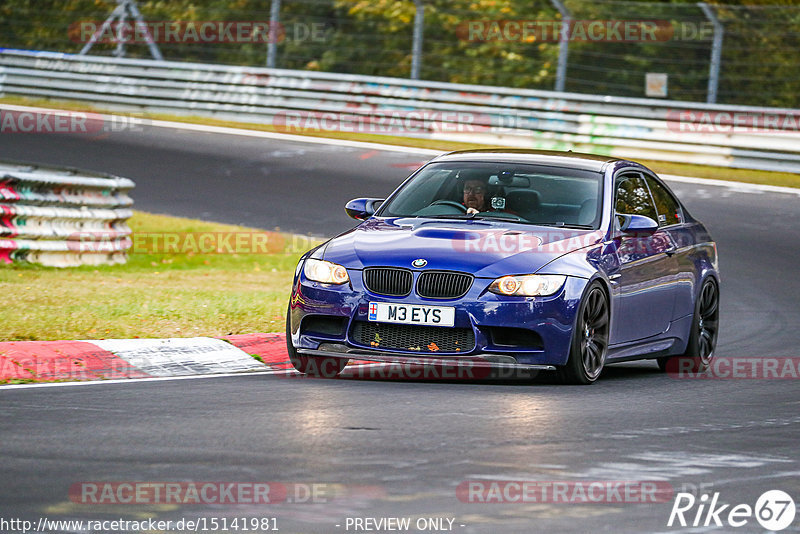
(587, 354)
(311, 365)
(703, 336)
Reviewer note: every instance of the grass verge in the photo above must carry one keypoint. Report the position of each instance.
(154, 294)
(784, 179)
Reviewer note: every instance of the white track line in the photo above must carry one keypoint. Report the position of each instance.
(141, 380)
(166, 378)
(238, 131)
(742, 187)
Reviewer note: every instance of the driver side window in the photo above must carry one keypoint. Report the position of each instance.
(632, 197)
(669, 211)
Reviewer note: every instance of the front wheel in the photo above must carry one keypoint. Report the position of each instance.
(703, 336)
(320, 366)
(587, 353)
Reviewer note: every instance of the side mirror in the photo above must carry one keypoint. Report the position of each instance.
(362, 208)
(637, 225)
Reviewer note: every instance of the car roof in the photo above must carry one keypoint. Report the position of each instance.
(576, 160)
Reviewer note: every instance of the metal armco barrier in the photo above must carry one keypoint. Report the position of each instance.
(63, 217)
(302, 101)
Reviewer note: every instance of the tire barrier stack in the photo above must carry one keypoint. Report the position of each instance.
(306, 101)
(63, 217)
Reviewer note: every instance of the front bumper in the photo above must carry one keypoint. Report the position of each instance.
(476, 360)
(548, 320)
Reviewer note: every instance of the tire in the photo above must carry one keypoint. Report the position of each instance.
(320, 366)
(703, 335)
(587, 352)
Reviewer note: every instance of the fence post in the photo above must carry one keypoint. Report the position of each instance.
(716, 52)
(124, 9)
(563, 45)
(416, 47)
(272, 36)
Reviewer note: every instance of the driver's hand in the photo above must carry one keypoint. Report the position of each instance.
(472, 211)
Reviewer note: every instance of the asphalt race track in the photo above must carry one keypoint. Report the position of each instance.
(385, 448)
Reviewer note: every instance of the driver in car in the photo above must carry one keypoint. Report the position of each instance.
(476, 194)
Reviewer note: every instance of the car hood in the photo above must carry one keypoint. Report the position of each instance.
(482, 247)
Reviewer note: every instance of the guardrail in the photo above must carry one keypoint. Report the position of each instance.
(305, 101)
(63, 217)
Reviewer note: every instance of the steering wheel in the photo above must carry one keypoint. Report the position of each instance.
(451, 203)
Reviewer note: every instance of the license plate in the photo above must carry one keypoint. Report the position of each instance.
(383, 312)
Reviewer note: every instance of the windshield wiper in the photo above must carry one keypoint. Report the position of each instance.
(462, 216)
(478, 216)
(564, 225)
(475, 216)
(498, 218)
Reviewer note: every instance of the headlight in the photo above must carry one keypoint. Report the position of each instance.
(325, 272)
(529, 285)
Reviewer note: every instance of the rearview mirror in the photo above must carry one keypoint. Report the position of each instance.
(362, 208)
(636, 225)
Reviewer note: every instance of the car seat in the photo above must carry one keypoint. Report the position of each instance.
(524, 202)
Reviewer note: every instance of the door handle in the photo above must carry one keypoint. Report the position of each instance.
(671, 252)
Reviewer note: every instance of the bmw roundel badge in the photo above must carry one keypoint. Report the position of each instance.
(420, 262)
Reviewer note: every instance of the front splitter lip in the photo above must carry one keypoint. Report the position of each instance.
(481, 360)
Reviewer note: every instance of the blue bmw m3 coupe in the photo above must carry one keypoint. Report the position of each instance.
(511, 259)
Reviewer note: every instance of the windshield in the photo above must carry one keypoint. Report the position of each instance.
(529, 194)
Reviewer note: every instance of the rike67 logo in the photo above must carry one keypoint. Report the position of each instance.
(774, 510)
